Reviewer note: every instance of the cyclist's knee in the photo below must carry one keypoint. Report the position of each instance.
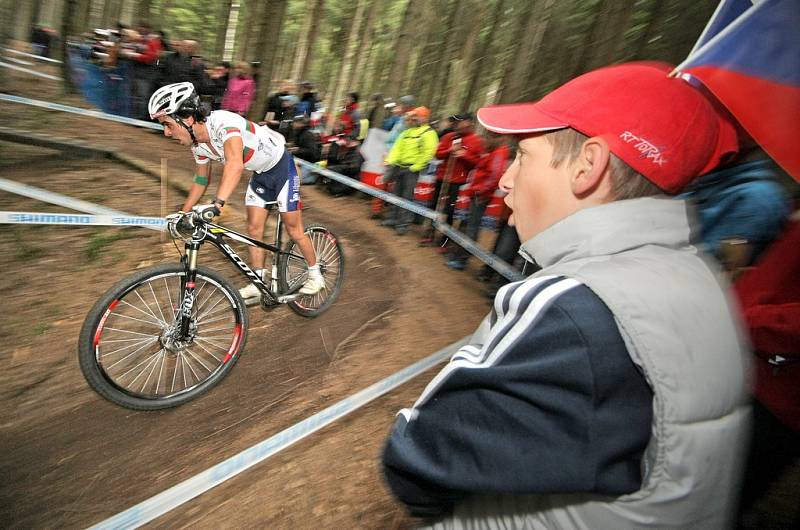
(295, 232)
(255, 229)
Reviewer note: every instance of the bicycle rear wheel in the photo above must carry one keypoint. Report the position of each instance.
(292, 272)
(129, 349)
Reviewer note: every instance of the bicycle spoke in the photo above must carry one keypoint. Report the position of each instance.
(158, 324)
(128, 331)
(158, 304)
(210, 342)
(146, 361)
(208, 352)
(125, 302)
(136, 292)
(199, 360)
(172, 306)
(142, 342)
(131, 353)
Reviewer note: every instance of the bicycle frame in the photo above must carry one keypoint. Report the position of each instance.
(215, 234)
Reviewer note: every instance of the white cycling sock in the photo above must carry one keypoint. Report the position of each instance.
(314, 271)
(259, 272)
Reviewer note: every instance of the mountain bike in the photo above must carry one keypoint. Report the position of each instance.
(169, 333)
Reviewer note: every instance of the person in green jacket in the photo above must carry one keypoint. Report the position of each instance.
(412, 151)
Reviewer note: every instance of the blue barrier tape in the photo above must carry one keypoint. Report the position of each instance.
(82, 112)
(160, 504)
(47, 218)
(29, 71)
(62, 200)
(32, 56)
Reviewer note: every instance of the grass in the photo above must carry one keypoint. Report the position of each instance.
(101, 240)
(25, 251)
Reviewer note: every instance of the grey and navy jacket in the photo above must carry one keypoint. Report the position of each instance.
(605, 391)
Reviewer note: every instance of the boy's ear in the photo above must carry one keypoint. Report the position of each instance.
(591, 169)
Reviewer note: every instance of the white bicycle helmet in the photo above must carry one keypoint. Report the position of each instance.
(177, 98)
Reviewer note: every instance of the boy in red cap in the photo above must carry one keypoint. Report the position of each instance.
(608, 389)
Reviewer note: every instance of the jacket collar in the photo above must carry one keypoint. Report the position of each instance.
(612, 228)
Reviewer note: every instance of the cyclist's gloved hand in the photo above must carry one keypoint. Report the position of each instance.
(206, 212)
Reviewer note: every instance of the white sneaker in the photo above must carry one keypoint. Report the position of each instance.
(251, 291)
(313, 285)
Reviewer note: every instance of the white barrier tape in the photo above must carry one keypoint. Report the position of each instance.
(45, 218)
(32, 56)
(18, 61)
(488, 258)
(29, 71)
(62, 200)
(160, 504)
(360, 186)
(466, 243)
(82, 112)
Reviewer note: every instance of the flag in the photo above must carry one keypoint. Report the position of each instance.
(749, 58)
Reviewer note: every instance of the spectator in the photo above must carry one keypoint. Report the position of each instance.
(218, 83)
(394, 113)
(346, 160)
(309, 100)
(275, 109)
(376, 111)
(183, 65)
(608, 389)
(461, 150)
(145, 74)
(482, 186)
(407, 104)
(410, 154)
(241, 90)
(305, 144)
(350, 118)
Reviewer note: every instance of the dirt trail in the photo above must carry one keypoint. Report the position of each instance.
(73, 459)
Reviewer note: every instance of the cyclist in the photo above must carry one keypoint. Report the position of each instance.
(238, 144)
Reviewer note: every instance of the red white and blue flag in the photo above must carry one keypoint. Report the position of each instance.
(749, 58)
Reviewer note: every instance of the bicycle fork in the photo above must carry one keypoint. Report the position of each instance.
(187, 302)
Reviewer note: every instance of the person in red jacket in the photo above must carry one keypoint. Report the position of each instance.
(461, 151)
(482, 186)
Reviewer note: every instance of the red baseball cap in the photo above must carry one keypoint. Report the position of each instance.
(661, 126)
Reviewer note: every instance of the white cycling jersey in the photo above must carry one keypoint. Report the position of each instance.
(263, 147)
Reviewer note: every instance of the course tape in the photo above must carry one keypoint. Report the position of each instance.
(466, 243)
(29, 71)
(360, 186)
(162, 503)
(32, 56)
(67, 202)
(77, 219)
(82, 112)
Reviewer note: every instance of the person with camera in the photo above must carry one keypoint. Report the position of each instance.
(238, 144)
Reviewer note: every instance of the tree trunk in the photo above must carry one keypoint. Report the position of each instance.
(347, 64)
(365, 46)
(34, 15)
(430, 54)
(475, 18)
(222, 28)
(652, 26)
(515, 61)
(476, 72)
(453, 44)
(516, 75)
(614, 19)
(143, 11)
(271, 24)
(403, 44)
(69, 11)
(306, 39)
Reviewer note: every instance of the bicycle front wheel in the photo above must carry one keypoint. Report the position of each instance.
(132, 353)
(293, 272)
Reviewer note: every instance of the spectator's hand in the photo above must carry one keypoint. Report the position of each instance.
(459, 152)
